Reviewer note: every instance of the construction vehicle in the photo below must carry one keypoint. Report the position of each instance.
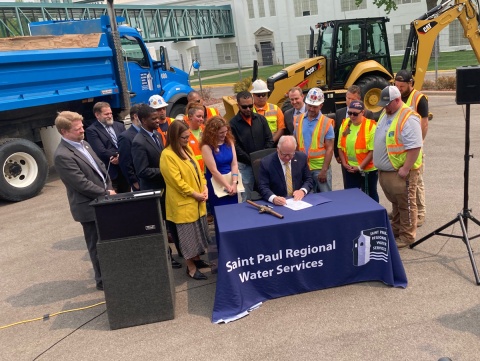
(355, 51)
(70, 65)
(349, 51)
(425, 29)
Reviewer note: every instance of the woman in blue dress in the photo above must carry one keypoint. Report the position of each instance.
(218, 152)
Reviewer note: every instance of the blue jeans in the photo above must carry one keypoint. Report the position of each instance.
(322, 187)
(248, 180)
(366, 182)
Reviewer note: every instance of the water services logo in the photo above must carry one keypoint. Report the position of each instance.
(371, 244)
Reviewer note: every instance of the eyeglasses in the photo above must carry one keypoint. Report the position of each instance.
(185, 137)
(353, 114)
(246, 106)
(261, 95)
(291, 155)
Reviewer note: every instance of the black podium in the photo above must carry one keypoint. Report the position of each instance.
(133, 255)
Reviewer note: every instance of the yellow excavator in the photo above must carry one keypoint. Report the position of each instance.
(355, 51)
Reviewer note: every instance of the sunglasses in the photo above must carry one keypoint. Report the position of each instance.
(353, 114)
(246, 106)
(261, 95)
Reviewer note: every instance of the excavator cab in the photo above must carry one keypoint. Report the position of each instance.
(356, 52)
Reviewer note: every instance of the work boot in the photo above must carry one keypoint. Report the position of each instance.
(420, 221)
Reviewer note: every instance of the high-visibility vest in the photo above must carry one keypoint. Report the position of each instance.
(316, 152)
(361, 150)
(397, 153)
(271, 115)
(413, 99)
(211, 112)
(164, 134)
(195, 145)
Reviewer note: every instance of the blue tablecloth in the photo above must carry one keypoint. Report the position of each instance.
(262, 257)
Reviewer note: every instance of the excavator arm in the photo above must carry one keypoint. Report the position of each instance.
(425, 29)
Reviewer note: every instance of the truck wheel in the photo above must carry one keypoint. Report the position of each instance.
(371, 88)
(24, 169)
(178, 108)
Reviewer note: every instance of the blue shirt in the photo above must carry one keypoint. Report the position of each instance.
(308, 129)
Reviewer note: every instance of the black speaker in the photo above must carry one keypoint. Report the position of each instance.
(134, 259)
(137, 279)
(128, 214)
(468, 85)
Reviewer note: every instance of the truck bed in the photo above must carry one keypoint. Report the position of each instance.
(45, 70)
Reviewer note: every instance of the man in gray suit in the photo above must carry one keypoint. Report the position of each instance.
(85, 178)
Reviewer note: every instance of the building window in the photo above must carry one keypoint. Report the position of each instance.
(305, 7)
(401, 2)
(227, 53)
(251, 12)
(195, 53)
(455, 34)
(271, 5)
(261, 9)
(349, 5)
(303, 42)
(400, 36)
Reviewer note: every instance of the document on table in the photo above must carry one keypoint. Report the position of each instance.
(296, 205)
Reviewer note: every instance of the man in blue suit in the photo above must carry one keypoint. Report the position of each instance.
(125, 140)
(103, 138)
(284, 173)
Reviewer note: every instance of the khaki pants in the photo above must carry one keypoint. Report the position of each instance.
(404, 203)
(421, 192)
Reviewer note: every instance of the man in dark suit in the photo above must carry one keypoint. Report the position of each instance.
(103, 137)
(146, 149)
(353, 93)
(298, 107)
(284, 173)
(85, 178)
(125, 140)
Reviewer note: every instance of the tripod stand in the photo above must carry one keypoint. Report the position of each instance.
(465, 215)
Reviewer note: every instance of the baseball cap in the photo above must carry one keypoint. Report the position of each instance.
(356, 104)
(404, 76)
(388, 94)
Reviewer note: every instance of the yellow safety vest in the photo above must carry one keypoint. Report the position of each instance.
(316, 153)
(360, 143)
(397, 153)
(414, 98)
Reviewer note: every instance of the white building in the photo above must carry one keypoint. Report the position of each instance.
(277, 31)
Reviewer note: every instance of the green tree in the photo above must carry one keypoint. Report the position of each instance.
(392, 4)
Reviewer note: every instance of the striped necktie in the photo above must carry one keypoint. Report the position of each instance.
(112, 135)
(288, 178)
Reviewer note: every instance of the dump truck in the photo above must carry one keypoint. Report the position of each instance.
(71, 65)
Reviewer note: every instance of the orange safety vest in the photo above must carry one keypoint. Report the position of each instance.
(271, 114)
(211, 112)
(316, 153)
(361, 150)
(195, 145)
(164, 134)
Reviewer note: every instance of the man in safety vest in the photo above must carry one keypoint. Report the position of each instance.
(195, 97)
(419, 103)
(160, 105)
(271, 112)
(315, 137)
(397, 153)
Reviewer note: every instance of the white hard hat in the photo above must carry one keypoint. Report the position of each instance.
(157, 102)
(314, 97)
(259, 86)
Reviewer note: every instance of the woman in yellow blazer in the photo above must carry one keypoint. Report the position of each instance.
(186, 195)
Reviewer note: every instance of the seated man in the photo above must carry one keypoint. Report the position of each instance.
(285, 173)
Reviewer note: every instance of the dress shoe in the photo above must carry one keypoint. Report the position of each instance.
(99, 285)
(175, 264)
(200, 263)
(197, 275)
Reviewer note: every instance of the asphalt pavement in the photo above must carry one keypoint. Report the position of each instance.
(45, 269)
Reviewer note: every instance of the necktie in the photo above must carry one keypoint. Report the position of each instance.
(112, 135)
(155, 139)
(288, 178)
